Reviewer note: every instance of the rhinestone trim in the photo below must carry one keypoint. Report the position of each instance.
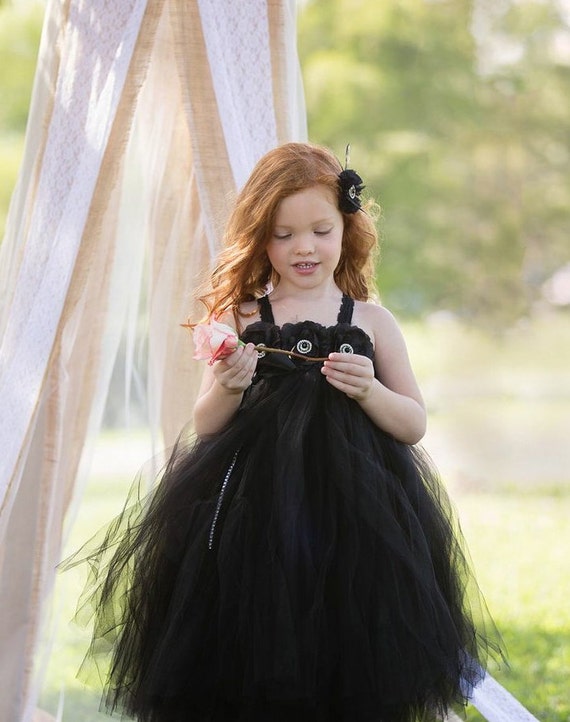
(220, 500)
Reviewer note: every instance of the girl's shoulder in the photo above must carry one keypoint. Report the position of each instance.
(378, 322)
(372, 313)
(373, 310)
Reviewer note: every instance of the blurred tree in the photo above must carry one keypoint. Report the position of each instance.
(458, 119)
(20, 30)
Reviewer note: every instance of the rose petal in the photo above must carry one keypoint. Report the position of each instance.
(214, 340)
(227, 347)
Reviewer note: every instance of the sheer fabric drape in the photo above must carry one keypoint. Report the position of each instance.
(135, 144)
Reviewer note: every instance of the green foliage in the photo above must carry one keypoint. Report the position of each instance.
(466, 149)
(11, 149)
(20, 30)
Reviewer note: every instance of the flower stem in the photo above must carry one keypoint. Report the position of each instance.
(290, 353)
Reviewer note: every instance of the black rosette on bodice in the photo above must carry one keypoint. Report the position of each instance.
(300, 564)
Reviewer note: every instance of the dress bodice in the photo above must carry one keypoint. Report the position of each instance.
(307, 338)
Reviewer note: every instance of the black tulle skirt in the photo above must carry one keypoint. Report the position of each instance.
(300, 565)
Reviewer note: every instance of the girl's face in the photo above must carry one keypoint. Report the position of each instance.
(305, 246)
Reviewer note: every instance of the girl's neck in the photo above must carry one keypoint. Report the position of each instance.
(306, 295)
(292, 305)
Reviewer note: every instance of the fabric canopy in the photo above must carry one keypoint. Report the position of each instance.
(145, 118)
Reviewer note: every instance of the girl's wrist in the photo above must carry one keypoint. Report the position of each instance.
(367, 395)
(228, 391)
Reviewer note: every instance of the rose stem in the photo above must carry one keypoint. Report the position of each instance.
(290, 353)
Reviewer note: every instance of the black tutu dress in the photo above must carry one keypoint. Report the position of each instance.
(299, 565)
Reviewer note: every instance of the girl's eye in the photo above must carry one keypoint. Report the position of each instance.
(323, 233)
(281, 236)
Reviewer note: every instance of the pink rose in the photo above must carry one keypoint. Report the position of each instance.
(213, 341)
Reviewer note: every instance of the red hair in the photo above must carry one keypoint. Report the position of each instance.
(243, 271)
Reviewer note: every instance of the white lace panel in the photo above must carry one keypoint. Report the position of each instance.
(93, 67)
(236, 35)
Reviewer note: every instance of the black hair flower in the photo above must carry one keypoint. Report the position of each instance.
(350, 187)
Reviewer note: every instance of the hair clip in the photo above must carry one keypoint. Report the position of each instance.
(350, 187)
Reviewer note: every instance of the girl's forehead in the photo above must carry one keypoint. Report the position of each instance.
(318, 199)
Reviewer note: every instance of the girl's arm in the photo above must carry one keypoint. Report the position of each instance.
(386, 390)
(222, 388)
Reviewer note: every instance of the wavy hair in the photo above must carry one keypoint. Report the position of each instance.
(243, 271)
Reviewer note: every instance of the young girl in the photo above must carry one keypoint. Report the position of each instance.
(299, 560)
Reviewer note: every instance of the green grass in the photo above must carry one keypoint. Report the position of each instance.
(519, 546)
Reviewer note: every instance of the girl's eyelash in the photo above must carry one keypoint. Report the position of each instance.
(288, 235)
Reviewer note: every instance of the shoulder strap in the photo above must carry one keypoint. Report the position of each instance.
(346, 309)
(265, 310)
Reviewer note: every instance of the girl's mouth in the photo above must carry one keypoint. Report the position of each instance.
(305, 266)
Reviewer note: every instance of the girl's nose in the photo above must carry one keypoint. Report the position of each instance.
(305, 245)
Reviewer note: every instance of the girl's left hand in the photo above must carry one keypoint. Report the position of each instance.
(350, 373)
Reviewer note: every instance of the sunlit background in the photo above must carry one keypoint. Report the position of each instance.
(458, 116)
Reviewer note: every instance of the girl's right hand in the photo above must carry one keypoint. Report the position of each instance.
(235, 372)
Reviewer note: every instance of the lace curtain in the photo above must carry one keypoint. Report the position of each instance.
(145, 117)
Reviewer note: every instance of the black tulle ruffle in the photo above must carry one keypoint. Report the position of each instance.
(322, 580)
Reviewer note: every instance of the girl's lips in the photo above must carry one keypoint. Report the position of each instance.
(305, 266)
